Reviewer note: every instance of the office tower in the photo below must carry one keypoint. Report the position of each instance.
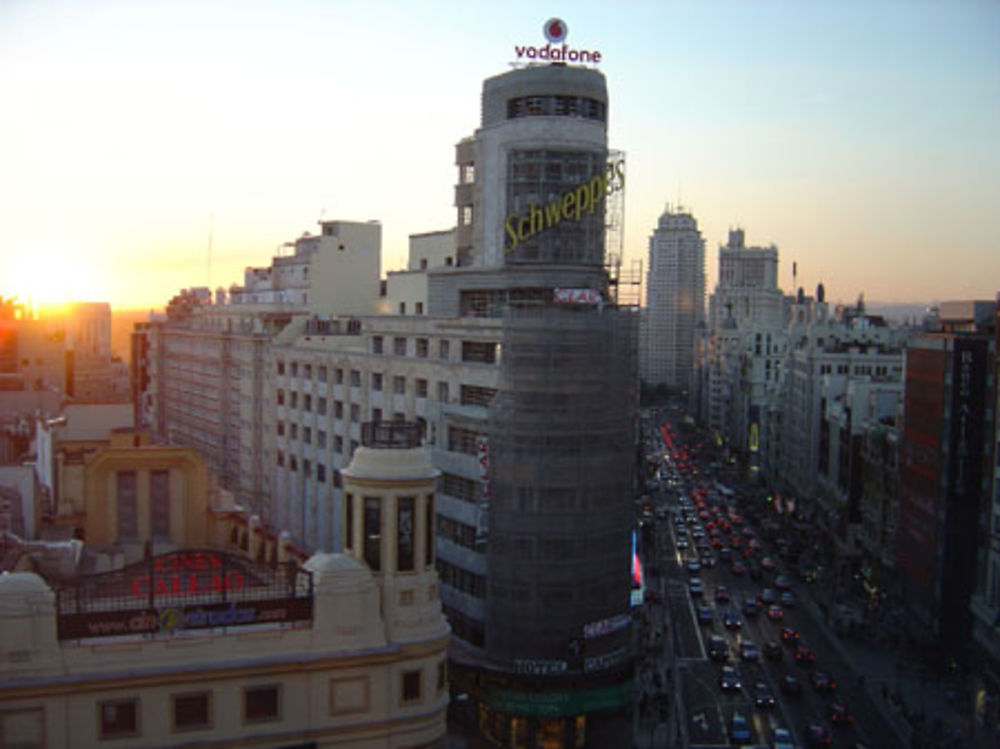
(675, 300)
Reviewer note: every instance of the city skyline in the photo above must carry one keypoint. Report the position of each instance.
(149, 138)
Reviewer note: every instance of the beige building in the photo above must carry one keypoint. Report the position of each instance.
(219, 645)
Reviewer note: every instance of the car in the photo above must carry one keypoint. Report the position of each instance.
(781, 738)
(768, 596)
(718, 650)
(682, 543)
(726, 554)
(694, 566)
(751, 608)
(840, 715)
(738, 568)
(695, 587)
(789, 636)
(773, 651)
(767, 564)
(707, 560)
(787, 599)
(822, 682)
(782, 582)
(706, 615)
(721, 594)
(817, 736)
(763, 697)
(804, 656)
(749, 651)
(739, 730)
(731, 620)
(775, 613)
(729, 681)
(791, 686)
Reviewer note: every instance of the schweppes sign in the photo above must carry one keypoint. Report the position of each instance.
(575, 203)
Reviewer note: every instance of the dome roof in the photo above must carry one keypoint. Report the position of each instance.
(17, 584)
(323, 562)
(408, 464)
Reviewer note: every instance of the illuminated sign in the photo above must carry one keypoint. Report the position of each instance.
(555, 30)
(183, 591)
(572, 205)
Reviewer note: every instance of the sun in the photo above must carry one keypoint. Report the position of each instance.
(50, 277)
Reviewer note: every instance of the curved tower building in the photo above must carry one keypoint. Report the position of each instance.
(555, 661)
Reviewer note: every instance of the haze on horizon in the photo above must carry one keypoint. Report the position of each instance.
(860, 138)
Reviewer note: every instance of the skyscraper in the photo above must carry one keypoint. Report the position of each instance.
(675, 300)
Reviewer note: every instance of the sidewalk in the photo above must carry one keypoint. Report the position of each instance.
(927, 710)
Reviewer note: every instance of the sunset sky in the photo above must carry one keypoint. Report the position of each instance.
(862, 137)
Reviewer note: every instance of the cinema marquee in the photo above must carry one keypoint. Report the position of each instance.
(183, 590)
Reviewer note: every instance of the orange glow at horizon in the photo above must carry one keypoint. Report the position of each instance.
(51, 277)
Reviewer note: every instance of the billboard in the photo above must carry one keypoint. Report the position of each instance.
(183, 590)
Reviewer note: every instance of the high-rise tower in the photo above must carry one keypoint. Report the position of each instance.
(675, 300)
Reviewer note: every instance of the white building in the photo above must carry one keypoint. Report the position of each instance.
(675, 301)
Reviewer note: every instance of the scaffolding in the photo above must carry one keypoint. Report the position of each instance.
(561, 461)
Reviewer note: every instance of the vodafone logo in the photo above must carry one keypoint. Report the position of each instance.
(555, 30)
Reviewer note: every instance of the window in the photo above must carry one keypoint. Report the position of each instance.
(281, 367)
(404, 534)
(295, 400)
(192, 711)
(338, 410)
(463, 440)
(443, 392)
(321, 439)
(295, 369)
(399, 346)
(355, 413)
(159, 501)
(376, 381)
(293, 431)
(321, 473)
(429, 530)
(348, 521)
(281, 397)
(479, 351)
(128, 505)
(376, 414)
(306, 468)
(261, 704)
(473, 395)
(422, 348)
(443, 352)
(372, 532)
(402, 308)
(322, 374)
(307, 371)
(355, 378)
(338, 376)
(421, 388)
(118, 718)
(420, 308)
(307, 402)
(377, 344)
(466, 215)
(337, 480)
(354, 446)
(321, 406)
(399, 385)
(411, 686)
(281, 459)
(281, 429)
(338, 444)
(293, 463)
(307, 435)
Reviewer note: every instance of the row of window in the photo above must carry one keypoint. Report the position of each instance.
(371, 530)
(194, 711)
(461, 579)
(472, 351)
(307, 467)
(471, 395)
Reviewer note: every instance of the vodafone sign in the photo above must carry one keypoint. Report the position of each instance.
(555, 30)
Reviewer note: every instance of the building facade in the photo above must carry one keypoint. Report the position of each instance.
(675, 301)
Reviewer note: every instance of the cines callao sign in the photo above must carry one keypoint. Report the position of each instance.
(556, 50)
(572, 205)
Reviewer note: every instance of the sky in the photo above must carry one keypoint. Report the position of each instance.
(150, 146)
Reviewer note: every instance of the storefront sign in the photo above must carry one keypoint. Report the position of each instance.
(606, 626)
(540, 667)
(556, 704)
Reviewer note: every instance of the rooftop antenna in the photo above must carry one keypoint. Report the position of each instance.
(795, 273)
(208, 262)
